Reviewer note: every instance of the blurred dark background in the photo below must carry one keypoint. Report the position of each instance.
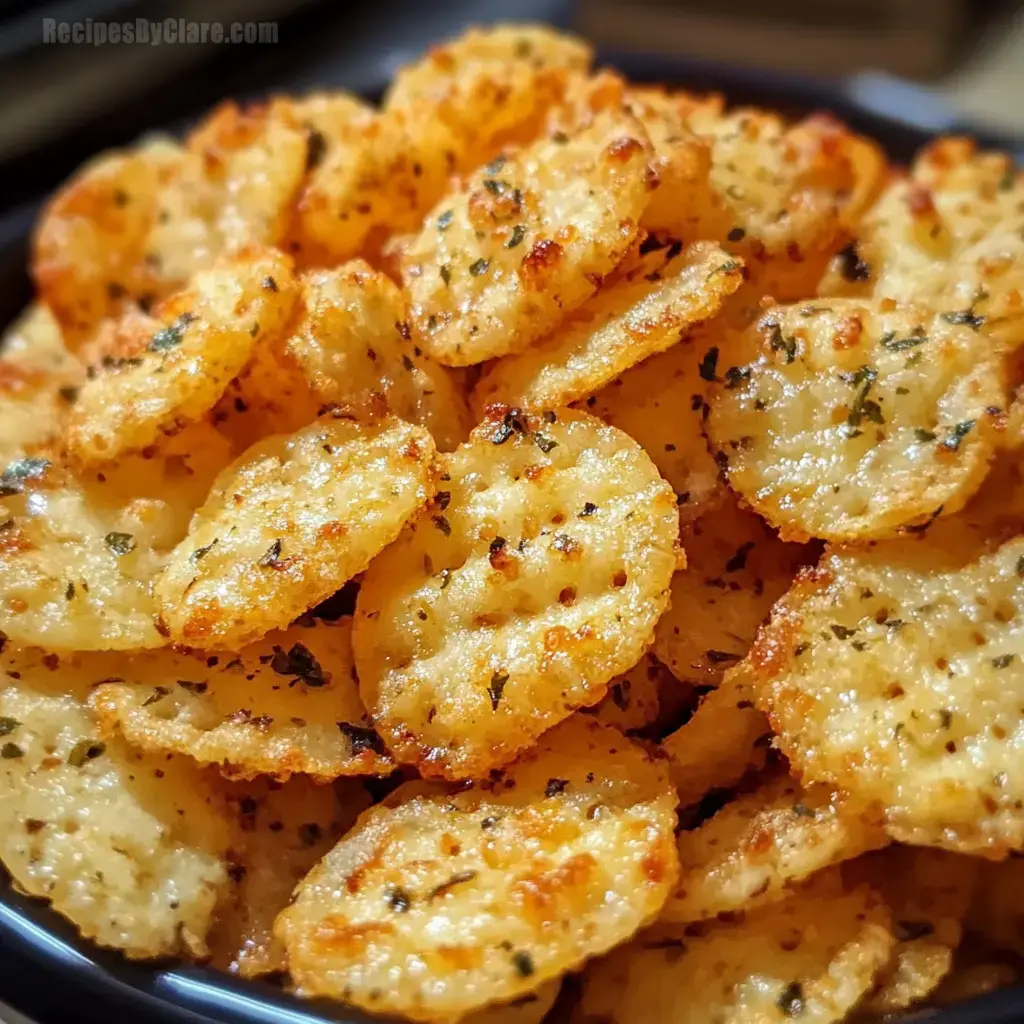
(63, 102)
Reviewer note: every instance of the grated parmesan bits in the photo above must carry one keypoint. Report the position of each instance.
(439, 903)
(525, 240)
(841, 420)
(131, 849)
(896, 673)
(287, 704)
(812, 957)
(164, 372)
(288, 523)
(535, 577)
(759, 846)
(736, 568)
(646, 310)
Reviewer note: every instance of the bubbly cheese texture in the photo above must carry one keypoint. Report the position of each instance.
(535, 577)
(169, 370)
(353, 346)
(80, 551)
(440, 902)
(756, 847)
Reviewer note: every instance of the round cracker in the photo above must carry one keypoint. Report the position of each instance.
(946, 235)
(129, 848)
(353, 344)
(839, 420)
(89, 245)
(758, 846)
(536, 577)
(439, 903)
(736, 569)
(812, 957)
(525, 240)
(286, 704)
(288, 523)
(643, 312)
(78, 553)
(171, 370)
(897, 674)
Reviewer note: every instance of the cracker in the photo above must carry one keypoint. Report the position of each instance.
(534, 579)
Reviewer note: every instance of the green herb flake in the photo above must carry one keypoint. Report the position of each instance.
(957, 434)
(446, 273)
(780, 343)
(444, 222)
(479, 266)
(1003, 660)
(912, 340)
(171, 336)
(963, 318)
(445, 887)
(270, 559)
(924, 436)
(708, 364)
(545, 444)
(8, 725)
(158, 694)
(201, 553)
(85, 750)
(523, 963)
(13, 478)
(791, 1001)
(299, 661)
(120, 543)
(497, 688)
(518, 234)
(10, 751)
(399, 899)
(862, 380)
(361, 738)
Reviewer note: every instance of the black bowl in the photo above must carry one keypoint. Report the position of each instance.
(47, 971)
